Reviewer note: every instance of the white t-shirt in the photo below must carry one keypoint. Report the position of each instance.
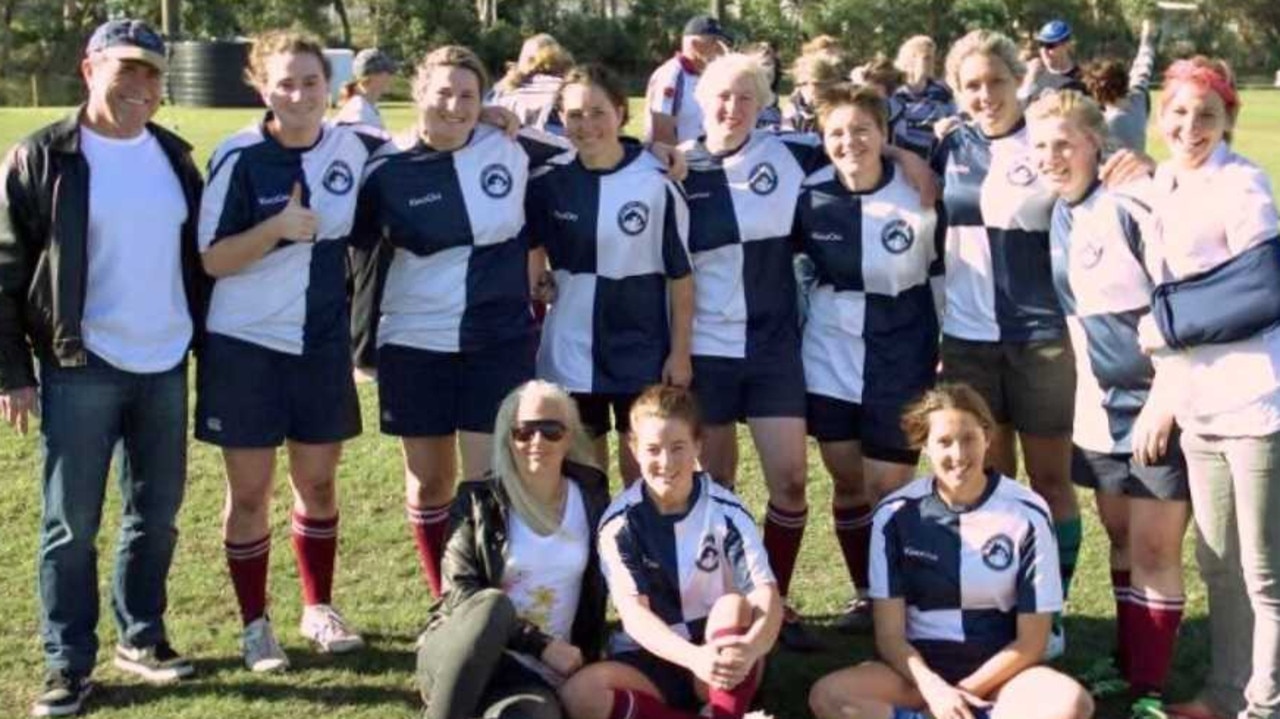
(359, 111)
(135, 313)
(543, 575)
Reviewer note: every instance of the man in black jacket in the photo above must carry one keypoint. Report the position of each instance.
(100, 280)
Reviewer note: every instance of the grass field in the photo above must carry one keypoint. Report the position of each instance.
(378, 585)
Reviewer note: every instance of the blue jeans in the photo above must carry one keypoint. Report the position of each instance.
(87, 412)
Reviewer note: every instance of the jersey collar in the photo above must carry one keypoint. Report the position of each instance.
(687, 65)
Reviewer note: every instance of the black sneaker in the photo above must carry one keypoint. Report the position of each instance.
(158, 664)
(63, 694)
(795, 636)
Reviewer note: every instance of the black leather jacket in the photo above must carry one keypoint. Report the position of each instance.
(475, 558)
(44, 259)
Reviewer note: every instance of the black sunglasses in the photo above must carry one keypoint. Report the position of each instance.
(552, 430)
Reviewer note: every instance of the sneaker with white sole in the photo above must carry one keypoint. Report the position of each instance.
(262, 653)
(322, 624)
(158, 664)
(63, 694)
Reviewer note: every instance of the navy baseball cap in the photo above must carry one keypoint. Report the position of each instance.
(706, 25)
(371, 61)
(1054, 32)
(128, 40)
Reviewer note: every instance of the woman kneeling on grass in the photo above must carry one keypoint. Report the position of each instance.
(524, 601)
(689, 577)
(964, 574)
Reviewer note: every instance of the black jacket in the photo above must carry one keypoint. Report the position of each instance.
(44, 259)
(475, 558)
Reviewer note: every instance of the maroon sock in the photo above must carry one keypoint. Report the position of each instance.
(783, 531)
(1120, 590)
(853, 531)
(1153, 628)
(631, 704)
(248, 563)
(429, 525)
(736, 702)
(315, 547)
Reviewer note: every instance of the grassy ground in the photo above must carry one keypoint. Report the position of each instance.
(378, 585)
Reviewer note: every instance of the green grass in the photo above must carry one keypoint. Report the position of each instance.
(378, 585)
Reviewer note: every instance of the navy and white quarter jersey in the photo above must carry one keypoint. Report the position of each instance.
(965, 574)
(918, 113)
(683, 563)
(872, 327)
(741, 207)
(1104, 284)
(294, 297)
(458, 280)
(613, 240)
(999, 284)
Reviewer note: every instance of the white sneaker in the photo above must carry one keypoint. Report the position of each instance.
(323, 625)
(1057, 644)
(262, 653)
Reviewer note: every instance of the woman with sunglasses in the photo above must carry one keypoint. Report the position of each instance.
(524, 601)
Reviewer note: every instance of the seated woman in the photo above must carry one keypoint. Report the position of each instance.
(689, 578)
(524, 599)
(964, 574)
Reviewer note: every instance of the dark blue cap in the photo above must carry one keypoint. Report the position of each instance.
(371, 61)
(1054, 32)
(706, 25)
(127, 40)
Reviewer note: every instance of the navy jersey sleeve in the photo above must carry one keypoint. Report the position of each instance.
(370, 258)
(541, 146)
(675, 235)
(535, 208)
(886, 565)
(226, 206)
(806, 148)
(941, 152)
(1039, 584)
(621, 559)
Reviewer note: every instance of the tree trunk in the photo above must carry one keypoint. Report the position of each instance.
(340, 8)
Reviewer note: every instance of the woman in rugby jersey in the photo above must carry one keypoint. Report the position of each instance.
(1125, 446)
(689, 578)
(531, 87)
(453, 330)
(870, 340)
(924, 99)
(525, 601)
(614, 231)
(275, 369)
(1213, 319)
(1003, 330)
(965, 578)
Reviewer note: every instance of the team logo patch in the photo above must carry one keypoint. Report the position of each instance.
(338, 178)
(495, 180)
(897, 236)
(633, 218)
(1090, 255)
(1021, 175)
(763, 179)
(997, 553)
(709, 555)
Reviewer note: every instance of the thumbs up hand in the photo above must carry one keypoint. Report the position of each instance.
(295, 222)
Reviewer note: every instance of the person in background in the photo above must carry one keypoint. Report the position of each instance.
(689, 578)
(812, 73)
(524, 601)
(100, 279)
(923, 99)
(1054, 67)
(531, 86)
(965, 581)
(372, 70)
(672, 114)
(1126, 447)
(1125, 95)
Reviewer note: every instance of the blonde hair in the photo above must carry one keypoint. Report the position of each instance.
(541, 53)
(668, 402)
(450, 56)
(541, 519)
(276, 42)
(727, 68)
(865, 98)
(1073, 106)
(983, 42)
(912, 48)
(878, 71)
(954, 396)
(819, 68)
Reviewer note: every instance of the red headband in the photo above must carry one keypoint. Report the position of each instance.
(1204, 76)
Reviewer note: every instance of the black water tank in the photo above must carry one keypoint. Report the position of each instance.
(210, 73)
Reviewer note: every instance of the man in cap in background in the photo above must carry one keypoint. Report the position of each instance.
(101, 279)
(371, 72)
(1055, 68)
(673, 114)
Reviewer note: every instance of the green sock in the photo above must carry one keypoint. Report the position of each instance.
(1070, 532)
